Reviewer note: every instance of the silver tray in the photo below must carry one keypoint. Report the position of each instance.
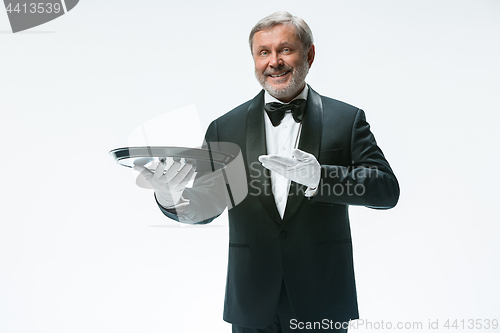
(149, 156)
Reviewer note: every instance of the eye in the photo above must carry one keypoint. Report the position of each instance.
(263, 53)
(286, 50)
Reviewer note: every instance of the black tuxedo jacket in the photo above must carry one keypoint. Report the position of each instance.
(309, 249)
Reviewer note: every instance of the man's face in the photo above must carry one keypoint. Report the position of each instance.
(281, 63)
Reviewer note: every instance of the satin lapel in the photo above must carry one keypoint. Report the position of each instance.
(310, 141)
(260, 182)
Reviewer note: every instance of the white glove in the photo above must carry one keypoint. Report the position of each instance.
(168, 185)
(303, 168)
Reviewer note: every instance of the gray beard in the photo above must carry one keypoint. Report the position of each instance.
(298, 77)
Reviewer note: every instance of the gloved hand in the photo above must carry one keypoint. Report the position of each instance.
(303, 168)
(168, 185)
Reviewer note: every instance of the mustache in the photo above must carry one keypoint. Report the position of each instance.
(280, 69)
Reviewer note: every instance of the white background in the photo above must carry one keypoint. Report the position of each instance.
(83, 249)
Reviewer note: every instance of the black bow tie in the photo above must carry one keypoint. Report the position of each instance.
(276, 111)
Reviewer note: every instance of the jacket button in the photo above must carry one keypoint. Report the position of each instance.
(283, 234)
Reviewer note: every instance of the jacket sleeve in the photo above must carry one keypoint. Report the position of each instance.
(368, 181)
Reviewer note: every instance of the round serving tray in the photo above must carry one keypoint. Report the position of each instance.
(204, 159)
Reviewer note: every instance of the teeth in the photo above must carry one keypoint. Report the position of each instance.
(279, 75)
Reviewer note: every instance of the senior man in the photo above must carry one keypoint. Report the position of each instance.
(307, 157)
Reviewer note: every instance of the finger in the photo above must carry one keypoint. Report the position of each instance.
(177, 179)
(300, 154)
(145, 172)
(191, 161)
(263, 158)
(172, 171)
(282, 162)
(138, 168)
(160, 169)
(142, 161)
(274, 168)
(265, 165)
(142, 182)
(289, 161)
(271, 157)
(187, 178)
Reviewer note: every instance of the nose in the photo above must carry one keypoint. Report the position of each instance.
(275, 60)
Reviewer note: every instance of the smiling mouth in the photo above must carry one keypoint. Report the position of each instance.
(279, 75)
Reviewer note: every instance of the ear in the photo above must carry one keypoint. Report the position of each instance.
(310, 55)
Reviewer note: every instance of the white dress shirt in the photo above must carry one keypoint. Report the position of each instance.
(281, 140)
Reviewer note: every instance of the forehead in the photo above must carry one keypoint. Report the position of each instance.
(277, 35)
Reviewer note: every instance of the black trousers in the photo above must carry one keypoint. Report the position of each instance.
(282, 321)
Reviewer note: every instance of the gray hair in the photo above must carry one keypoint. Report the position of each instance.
(302, 30)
